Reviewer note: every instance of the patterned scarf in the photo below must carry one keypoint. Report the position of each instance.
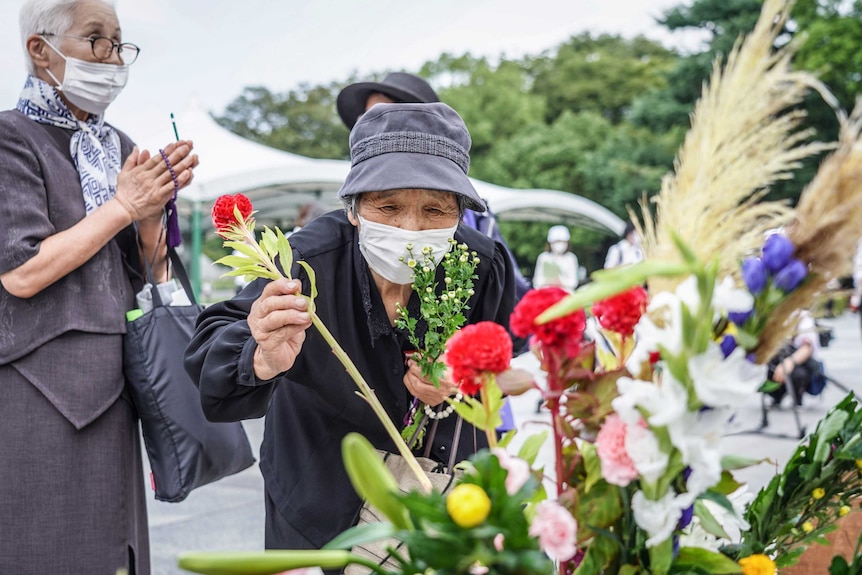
(95, 146)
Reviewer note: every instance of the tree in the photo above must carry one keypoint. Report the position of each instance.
(602, 74)
(304, 121)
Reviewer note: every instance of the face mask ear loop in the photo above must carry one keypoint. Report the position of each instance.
(59, 85)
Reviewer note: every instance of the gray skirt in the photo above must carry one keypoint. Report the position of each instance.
(71, 501)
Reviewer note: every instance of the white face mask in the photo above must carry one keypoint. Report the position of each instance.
(559, 248)
(383, 245)
(91, 86)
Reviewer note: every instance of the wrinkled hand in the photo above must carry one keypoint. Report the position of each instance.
(144, 185)
(423, 389)
(278, 320)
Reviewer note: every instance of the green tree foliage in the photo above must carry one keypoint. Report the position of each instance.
(600, 74)
(303, 121)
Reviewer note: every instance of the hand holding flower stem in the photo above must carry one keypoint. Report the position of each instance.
(232, 218)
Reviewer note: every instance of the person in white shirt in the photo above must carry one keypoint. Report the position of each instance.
(626, 251)
(557, 266)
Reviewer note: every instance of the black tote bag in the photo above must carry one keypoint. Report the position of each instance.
(185, 450)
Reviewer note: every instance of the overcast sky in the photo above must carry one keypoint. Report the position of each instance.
(212, 49)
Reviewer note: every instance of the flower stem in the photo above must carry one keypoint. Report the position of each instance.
(490, 432)
(369, 396)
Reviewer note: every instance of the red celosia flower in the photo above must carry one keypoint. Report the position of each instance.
(621, 312)
(475, 351)
(563, 334)
(223, 215)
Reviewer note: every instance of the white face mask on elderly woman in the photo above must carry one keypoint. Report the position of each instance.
(91, 86)
(383, 245)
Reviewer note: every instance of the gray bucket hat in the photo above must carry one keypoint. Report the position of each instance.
(411, 146)
(399, 86)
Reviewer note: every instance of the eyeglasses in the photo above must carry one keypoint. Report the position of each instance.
(104, 47)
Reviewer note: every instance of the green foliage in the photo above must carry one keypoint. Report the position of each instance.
(439, 544)
(818, 484)
(303, 121)
(600, 75)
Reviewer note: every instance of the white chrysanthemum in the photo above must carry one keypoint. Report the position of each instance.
(724, 382)
(657, 518)
(697, 436)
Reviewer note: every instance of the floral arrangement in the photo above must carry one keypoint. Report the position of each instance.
(641, 383)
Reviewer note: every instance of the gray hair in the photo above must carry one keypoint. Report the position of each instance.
(40, 16)
(351, 204)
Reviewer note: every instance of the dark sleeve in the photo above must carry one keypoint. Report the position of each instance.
(219, 359)
(496, 300)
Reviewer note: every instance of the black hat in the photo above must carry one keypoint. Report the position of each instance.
(399, 86)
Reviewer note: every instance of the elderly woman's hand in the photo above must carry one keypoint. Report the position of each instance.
(278, 320)
(423, 389)
(145, 185)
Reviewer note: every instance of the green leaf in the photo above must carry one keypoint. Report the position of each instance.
(827, 430)
(312, 278)
(661, 557)
(269, 242)
(529, 450)
(261, 562)
(593, 465)
(361, 535)
(707, 560)
(708, 520)
(244, 249)
(285, 252)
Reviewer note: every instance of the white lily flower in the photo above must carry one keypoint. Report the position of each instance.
(657, 518)
(664, 402)
(643, 449)
(729, 298)
(720, 382)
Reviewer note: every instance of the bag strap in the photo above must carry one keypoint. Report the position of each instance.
(178, 269)
(432, 433)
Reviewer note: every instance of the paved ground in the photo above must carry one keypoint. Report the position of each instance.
(228, 515)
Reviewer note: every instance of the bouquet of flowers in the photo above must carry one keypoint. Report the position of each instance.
(641, 383)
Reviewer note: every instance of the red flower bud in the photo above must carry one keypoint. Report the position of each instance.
(223, 216)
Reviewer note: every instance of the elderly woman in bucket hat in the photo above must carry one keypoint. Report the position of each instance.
(255, 356)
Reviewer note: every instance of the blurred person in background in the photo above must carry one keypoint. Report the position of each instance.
(557, 265)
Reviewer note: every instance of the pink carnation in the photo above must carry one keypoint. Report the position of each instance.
(556, 529)
(617, 466)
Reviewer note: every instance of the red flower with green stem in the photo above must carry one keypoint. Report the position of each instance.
(476, 354)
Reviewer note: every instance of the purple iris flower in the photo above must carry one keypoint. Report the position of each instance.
(754, 275)
(791, 275)
(727, 345)
(777, 251)
(687, 514)
(739, 317)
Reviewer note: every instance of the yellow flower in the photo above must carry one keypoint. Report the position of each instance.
(859, 464)
(807, 527)
(818, 493)
(757, 565)
(468, 505)
(843, 510)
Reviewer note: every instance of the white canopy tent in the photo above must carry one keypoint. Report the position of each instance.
(279, 183)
